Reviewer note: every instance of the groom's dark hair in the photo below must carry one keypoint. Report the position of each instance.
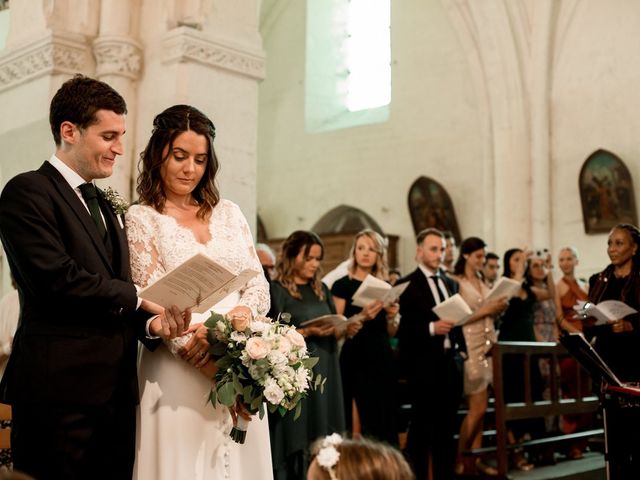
(78, 100)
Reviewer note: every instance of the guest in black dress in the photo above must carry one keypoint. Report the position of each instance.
(297, 290)
(366, 361)
(619, 342)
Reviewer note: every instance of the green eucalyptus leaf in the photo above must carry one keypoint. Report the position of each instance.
(227, 394)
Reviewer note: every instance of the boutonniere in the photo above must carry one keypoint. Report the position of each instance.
(117, 201)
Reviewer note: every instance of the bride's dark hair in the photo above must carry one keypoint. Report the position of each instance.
(166, 127)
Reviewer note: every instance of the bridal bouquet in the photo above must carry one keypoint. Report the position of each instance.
(259, 360)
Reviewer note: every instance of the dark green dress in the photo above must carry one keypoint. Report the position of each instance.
(322, 413)
(367, 368)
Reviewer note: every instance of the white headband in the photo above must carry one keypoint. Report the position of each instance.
(328, 455)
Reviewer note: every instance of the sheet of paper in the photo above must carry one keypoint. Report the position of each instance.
(325, 320)
(393, 294)
(453, 308)
(504, 287)
(199, 283)
(370, 289)
(604, 312)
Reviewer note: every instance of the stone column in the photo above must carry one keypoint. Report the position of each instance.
(119, 63)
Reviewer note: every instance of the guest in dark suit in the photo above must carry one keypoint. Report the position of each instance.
(71, 378)
(429, 355)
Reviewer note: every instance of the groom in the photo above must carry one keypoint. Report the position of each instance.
(71, 379)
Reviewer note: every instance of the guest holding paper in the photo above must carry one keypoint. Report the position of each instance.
(181, 434)
(480, 335)
(298, 290)
(517, 326)
(366, 359)
(618, 341)
(429, 357)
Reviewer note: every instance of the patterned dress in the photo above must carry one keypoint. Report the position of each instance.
(479, 336)
(180, 435)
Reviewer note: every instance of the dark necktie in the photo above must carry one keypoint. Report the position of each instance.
(90, 195)
(441, 297)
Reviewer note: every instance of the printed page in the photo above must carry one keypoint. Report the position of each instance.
(504, 287)
(325, 320)
(199, 283)
(611, 310)
(453, 308)
(371, 289)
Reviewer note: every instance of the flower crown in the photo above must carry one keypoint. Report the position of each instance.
(328, 454)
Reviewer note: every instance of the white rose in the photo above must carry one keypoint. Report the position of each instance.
(296, 339)
(272, 392)
(238, 337)
(277, 359)
(257, 348)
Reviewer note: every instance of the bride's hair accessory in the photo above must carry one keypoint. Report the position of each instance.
(328, 454)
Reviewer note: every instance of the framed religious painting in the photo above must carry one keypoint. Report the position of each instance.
(431, 207)
(606, 193)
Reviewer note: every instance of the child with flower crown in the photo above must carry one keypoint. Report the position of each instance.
(335, 458)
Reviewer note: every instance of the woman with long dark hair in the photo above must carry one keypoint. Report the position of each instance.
(298, 290)
(479, 335)
(180, 213)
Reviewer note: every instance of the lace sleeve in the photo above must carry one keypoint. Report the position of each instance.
(255, 294)
(143, 251)
(146, 265)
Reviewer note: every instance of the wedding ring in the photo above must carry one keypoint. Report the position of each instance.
(202, 354)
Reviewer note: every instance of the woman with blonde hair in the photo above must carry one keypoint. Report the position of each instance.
(298, 290)
(366, 360)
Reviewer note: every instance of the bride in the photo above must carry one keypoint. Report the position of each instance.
(180, 434)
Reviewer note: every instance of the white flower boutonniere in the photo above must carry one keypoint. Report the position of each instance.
(117, 201)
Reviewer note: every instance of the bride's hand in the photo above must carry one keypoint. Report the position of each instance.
(239, 409)
(196, 351)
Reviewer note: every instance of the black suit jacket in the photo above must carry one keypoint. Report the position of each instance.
(420, 353)
(76, 341)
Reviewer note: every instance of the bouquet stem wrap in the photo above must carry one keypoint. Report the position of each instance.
(239, 431)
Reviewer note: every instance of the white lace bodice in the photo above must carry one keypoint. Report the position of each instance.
(158, 244)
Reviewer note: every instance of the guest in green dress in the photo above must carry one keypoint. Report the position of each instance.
(298, 290)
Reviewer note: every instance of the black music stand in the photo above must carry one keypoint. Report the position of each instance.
(620, 406)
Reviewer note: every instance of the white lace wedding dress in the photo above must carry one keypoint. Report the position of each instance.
(180, 435)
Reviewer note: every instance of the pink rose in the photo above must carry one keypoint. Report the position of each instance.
(257, 348)
(296, 339)
(240, 322)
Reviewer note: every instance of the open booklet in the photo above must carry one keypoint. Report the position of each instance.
(604, 312)
(198, 283)
(504, 287)
(336, 320)
(453, 308)
(373, 288)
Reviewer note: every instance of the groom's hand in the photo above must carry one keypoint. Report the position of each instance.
(171, 323)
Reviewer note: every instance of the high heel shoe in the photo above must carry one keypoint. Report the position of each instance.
(520, 462)
(485, 469)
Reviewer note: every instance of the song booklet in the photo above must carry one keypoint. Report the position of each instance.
(373, 288)
(198, 284)
(604, 312)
